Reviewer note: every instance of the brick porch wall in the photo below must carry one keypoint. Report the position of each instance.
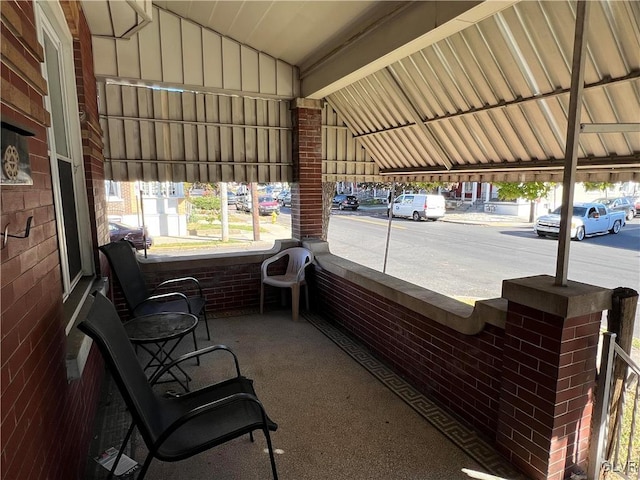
(528, 386)
(228, 288)
(548, 388)
(460, 371)
(230, 283)
(306, 189)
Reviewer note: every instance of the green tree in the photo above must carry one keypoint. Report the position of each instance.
(531, 191)
(206, 202)
(328, 192)
(593, 186)
(429, 187)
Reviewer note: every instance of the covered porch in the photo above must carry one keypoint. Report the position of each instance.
(411, 91)
(341, 411)
(525, 362)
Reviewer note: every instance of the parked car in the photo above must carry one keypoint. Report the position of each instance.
(619, 204)
(134, 235)
(345, 201)
(636, 204)
(266, 204)
(418, 206)
(284, 199)
(588, 219)
(241, 201)
(231, 198)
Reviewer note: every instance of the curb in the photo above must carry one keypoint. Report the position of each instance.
(494, 220)
(489, 223)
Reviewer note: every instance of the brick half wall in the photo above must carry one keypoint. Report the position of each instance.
(230, 282)
(460, 371)
(524, 379)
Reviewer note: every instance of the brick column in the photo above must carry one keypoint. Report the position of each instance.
(306, 191)
(548, 376)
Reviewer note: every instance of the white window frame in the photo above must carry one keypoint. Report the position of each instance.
(115, 187)
(50, 19)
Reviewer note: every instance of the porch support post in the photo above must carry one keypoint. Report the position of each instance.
(548, 374)
(306, 191)
(572, 145)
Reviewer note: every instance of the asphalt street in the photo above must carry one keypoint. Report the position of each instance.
(467, 256)
(469, 261)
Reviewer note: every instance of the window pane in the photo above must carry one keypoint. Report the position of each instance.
(55, 96)
(74, 261)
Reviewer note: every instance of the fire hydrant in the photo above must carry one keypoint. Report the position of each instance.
(274, 217)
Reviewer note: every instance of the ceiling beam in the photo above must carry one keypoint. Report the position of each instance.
(406, 31)
(591, 164)
(609, 127)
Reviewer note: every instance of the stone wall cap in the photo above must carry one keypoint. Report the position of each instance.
(444, 310)
(307, 103)
(573, 300)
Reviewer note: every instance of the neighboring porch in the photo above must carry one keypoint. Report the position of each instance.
(342, 413)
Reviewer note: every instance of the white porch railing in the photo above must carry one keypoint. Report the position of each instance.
(615, 442)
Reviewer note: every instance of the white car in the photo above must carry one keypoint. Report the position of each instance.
(418, 206)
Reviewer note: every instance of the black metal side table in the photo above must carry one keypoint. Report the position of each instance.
(154, 332)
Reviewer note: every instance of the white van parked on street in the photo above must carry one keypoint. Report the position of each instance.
(418, 206)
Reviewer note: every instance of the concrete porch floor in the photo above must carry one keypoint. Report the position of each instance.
(341, 413)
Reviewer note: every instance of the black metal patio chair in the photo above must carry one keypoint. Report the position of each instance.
(143, 301)
(175, 427)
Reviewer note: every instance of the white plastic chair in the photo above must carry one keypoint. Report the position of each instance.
(293, 278)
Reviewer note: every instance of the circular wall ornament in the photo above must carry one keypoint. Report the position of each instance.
(10, 162)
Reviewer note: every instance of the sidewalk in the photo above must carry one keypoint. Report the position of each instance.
(238, 240)
(481, 218)
(471, 217)
(243, 240)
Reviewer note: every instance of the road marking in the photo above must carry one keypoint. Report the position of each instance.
(374, 222)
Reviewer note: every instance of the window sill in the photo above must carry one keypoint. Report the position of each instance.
(78, 344)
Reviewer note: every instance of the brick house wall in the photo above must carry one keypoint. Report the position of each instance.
(92, 143)
(46, 422)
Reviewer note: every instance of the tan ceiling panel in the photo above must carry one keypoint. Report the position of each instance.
(498, 92)
(267, 77)
(604, 40)
(390, 109)
(97, 17)
(290, 30)
(555, 62)
(171, 48)
(486, 62)
(149, 41)
(212, 60)
(192, 53)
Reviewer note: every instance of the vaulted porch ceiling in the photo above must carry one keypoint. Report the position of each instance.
(416, 90)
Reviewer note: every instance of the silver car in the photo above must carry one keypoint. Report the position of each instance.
(619, 204)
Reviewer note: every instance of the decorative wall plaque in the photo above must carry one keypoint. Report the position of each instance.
(16, 168)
